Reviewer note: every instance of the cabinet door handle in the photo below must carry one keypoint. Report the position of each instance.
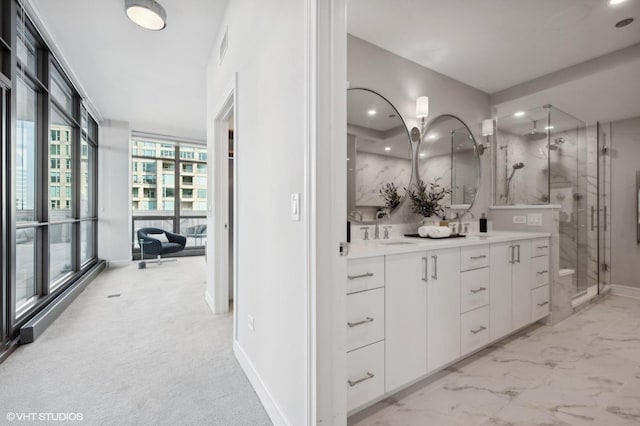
(543, 303)
(355, 277)
(435, 267)
(478, 290)
(426, 274)
(355, 382)
(364, 321)
(478, 257)
(542, 247)
(482, 328)
(518, 253)
(512, 260)
(542, 272)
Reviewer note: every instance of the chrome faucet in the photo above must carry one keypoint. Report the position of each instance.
(458, 217)
(379, 215)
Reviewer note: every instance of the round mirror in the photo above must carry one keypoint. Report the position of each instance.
(448, 154)
(379, 156)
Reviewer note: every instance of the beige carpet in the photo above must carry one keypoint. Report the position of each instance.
(155, 355)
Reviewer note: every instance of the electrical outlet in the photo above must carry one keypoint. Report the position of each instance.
(519, 219)
(534, 219)
(251, 323)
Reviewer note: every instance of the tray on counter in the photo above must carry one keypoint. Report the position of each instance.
(431, 238)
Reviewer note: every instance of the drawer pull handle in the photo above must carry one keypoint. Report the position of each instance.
(484, 256)
(355, 324)
(355, 382)
(543, 303)
(542, 272)
(542, 247)
(355, 277)
(482, 328)
(478, 290)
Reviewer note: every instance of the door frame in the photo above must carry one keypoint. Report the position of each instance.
(218, 251)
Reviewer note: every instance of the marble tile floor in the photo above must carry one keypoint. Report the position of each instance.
(582, 371)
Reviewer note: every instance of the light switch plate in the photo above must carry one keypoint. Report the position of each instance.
(519, 219)
(295, 206)
(534, 219)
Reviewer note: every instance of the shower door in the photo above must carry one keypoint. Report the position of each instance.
(603, 205)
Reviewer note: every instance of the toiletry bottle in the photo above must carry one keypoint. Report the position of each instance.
(483, 223)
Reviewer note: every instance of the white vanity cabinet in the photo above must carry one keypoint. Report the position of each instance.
(443, 307)
(411, 313)
(406, 318)
(510, 291)
(365, 322)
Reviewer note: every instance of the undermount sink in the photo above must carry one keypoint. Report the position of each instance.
(396, 243)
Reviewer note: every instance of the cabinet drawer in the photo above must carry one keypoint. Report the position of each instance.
(539, 271)
(474, 257)
(475, 289)
(474, 326)
(540, 303)
(365, 374)
(365, 318)
(365, 274)
(540, 247)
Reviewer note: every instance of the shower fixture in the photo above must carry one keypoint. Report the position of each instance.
(553, 146)
(534, 134)
(516, 166)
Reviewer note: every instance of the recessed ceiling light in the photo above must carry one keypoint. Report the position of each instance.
(624, 22)
(372, 112)
(519, 114)
(548, 128)
(422, 155)
(148, 14)
(433, 136)
(614, 2)
(387, 148)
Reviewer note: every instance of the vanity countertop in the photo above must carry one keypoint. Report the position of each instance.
(360, 249)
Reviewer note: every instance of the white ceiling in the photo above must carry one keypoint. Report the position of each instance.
(153, 80)
(495, 44)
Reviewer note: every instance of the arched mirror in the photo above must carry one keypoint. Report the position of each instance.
(379, 156)
(449, 154)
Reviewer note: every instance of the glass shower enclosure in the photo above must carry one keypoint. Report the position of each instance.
(547, 156)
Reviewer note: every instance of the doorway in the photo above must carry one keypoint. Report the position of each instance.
(222, 252)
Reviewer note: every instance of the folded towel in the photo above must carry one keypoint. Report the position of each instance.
(439, 232)
(423, 231)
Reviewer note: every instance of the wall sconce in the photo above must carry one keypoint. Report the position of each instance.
(422, 112)
(487, 131)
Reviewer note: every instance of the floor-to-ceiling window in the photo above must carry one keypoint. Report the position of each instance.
(169, 189)
(49, 192)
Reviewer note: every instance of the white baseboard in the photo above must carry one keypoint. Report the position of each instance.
(209, 300)
(273, 410)
(621, 290)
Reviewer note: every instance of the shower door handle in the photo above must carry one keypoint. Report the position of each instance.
(605, 219)
(593, 212)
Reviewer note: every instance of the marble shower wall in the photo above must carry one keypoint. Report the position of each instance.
(373, 171)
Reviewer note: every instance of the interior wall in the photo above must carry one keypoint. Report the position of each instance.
(266, 48)
(401, 82)
(114, 188)
(625, 251)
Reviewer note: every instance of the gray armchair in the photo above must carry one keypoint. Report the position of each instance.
(151, 245)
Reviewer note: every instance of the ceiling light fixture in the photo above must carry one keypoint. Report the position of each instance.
(519, 114)
(387, 148)
(624, 22)
(148, 14)
(372, 112)
(614, 2)
(548, 128)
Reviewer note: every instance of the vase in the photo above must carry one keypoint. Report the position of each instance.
(430, 221)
